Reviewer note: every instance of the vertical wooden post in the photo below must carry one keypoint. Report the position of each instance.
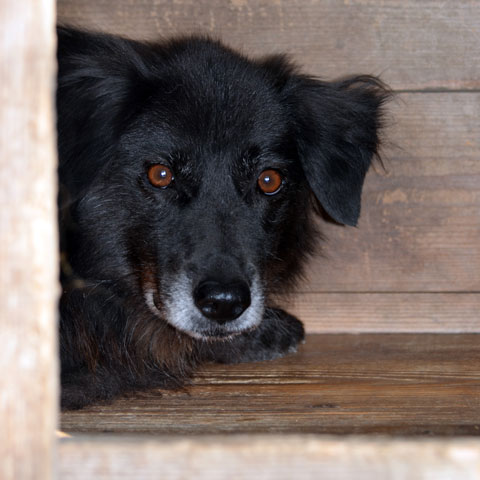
(28, 240)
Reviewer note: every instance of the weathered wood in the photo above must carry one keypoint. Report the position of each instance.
(268, 458)
(395, 384)
(415, 45)
(420, 224)
(28, 241)
(387, 312)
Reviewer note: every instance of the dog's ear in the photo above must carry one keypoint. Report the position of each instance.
(100, 80)
(337, 133)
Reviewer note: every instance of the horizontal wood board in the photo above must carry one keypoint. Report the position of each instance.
(342, 384)
(387, 312)
(268, 458)
(415, 45)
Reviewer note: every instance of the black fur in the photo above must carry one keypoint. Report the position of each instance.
(134, 254)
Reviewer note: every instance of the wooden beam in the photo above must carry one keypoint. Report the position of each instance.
(268, 458)
(28, 240)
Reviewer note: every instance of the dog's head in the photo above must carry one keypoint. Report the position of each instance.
(192, 168)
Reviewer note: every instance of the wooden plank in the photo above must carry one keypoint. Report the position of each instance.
(343, 384)
(268, 458)
(28, 240)
(420, 224)
(387, 312)
(415, 45)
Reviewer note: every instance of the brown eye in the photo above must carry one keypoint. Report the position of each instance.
(160, 176)
(270, 182)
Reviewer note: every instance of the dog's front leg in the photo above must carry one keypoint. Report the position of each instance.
(277, 335)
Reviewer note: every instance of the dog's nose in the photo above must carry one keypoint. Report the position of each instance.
(222, 302)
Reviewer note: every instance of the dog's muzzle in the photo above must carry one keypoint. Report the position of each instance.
(210, 308)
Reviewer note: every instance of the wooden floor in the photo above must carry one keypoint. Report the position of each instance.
(401, 384)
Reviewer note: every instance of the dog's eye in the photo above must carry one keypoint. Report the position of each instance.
(160, 176)
(270, 182)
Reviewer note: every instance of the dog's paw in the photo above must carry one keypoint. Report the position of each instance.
(278, 335)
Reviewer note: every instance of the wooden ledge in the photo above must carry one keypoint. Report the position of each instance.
(395, 384)
(268, 457)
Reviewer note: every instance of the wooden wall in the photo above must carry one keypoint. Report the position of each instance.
(413, 264)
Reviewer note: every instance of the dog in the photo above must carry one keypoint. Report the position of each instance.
(190, 177)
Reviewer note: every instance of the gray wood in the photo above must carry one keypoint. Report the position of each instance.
(415, 45)
(270, 457)
(28, 240)
(387, 312)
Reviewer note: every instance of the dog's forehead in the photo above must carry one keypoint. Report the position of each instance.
(208, 127)
(220, 110)
(218, 92)
(210, 107)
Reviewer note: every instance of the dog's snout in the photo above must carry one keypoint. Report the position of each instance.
(222, 302)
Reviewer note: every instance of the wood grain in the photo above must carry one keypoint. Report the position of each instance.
(420, 224)
(268, 458)
(415, 45)
(387, 312)
(28, 240)
(343, 384)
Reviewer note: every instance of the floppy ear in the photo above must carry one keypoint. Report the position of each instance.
(101, 79)
(337, 132)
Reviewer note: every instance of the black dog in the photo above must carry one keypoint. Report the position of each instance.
(186, 176)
